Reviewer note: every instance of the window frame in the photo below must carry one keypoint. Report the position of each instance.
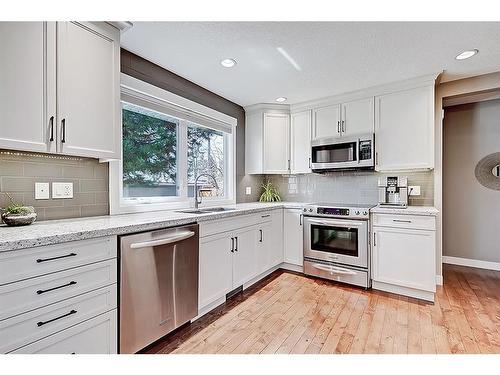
(140, 93)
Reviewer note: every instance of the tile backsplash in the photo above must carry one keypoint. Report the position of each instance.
(19, 171)
(348, 187)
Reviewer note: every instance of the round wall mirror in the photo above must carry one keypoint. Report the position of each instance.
(496, 170)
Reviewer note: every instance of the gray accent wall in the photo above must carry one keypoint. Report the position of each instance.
(348, 187)
(19, 172)
(471, 212)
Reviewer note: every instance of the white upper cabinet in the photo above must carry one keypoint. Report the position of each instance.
(267, 141)
(358, 117)
(60, 91)
(27, 86)
(88, 89)
(404, 129)
(326, 122)
(276, 143)
(300, 142)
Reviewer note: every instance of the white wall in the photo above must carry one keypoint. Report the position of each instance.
(471, 212)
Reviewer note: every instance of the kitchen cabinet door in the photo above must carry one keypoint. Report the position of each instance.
(276, 236)
(88, 88)
(404, 257)
(300, 142)
(215, 268)
(327, 122)
(404, 130)
(263, 246)
(293, 239)
(27, 86)
(358, 117)
(276, 143)
(244, 256)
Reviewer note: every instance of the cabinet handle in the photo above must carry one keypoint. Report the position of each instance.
(374, 239)
(289, 165)
(376, 158)
(235, 243)
(261, 238)
(56, 287)
(63, 129)
(263, 216)
(51, 122)
(310, 166)
(39, 324)
(338, 126)
(300, 219)
(343, 126)
(40, 260)
(401, 221)
(232, 244)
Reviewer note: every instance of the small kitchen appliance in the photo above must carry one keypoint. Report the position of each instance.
(337, 242)
(393, 191)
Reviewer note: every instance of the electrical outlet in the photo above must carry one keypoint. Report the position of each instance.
(42, 190)
(62, 190)
(414, 190)
(248, 190)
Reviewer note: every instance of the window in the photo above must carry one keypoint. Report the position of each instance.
(169, 143)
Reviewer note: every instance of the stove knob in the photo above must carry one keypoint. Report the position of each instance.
(310, 210)
(305, 209)
(357, 212)
(365, 213)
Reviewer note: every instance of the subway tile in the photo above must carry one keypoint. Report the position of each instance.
(78, 172)
(101, 170)
(52, 213)
(17, 184)
(95, 210)
(102, 197)
(93, 185)
(5, 200)
(80, 199)
(11, 168)
(42, 170)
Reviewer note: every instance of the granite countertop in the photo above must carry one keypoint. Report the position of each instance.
(57, 231)
(410, 210)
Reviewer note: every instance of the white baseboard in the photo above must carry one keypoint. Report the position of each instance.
(439, 279)
(472, 263)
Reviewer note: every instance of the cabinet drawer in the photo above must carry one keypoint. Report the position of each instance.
(22, 264)
(26, 295)
(233, 223)
(405, 221)
(94, 336)
(34, 325)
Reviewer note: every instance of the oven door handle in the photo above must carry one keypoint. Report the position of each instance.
(332, 269)
(343, 223)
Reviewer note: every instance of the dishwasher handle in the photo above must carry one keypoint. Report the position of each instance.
(163, 241)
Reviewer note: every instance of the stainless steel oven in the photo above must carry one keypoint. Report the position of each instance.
(336, 243)
(333, 153)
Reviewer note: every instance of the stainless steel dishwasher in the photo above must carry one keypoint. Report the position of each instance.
(158, 284)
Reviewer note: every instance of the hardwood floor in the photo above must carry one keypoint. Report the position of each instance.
(291, 313)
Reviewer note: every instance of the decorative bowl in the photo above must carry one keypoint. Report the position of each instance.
(25, 218)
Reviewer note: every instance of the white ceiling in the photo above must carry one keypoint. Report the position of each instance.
(333, 57)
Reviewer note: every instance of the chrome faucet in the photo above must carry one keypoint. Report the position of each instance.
(196, 193)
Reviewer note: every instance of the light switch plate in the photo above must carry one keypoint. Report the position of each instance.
(248, 190)
(414, 190)
(42, 190)
(62, 190)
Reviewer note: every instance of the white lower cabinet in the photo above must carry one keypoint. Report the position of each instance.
(94, 336)
(244, 256)
(403, 258)
(292, 236)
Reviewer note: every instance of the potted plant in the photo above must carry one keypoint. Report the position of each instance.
(270, 193)
(16, 214)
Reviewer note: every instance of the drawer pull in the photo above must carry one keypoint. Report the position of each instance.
(39, 324)
(401, 221)
(55, 258)
(263, 216)
(56, 287)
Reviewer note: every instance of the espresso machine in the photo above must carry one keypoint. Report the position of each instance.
(393, 191)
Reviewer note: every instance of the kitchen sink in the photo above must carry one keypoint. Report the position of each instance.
(208, 210)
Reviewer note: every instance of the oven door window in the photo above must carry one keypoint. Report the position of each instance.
(335, 240)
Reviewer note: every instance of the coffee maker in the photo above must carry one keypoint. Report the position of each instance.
(393, 191)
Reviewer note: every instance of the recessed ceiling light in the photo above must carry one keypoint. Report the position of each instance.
(281, 99)
(228, 63)
(466, 54)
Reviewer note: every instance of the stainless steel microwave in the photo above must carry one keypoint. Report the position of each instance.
(333, 153)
